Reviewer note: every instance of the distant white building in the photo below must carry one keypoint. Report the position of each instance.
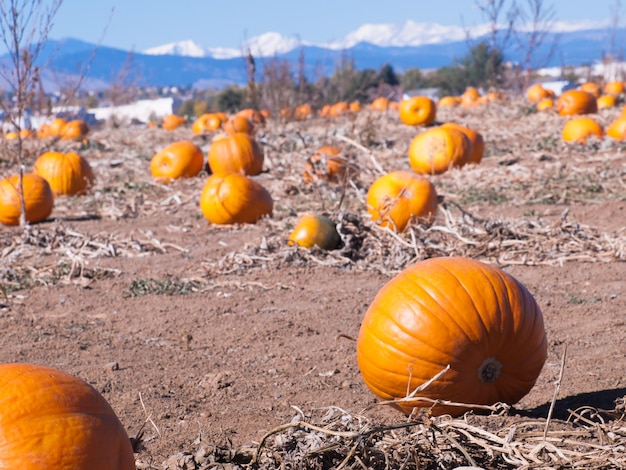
(142, 110)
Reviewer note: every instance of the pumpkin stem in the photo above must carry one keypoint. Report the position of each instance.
(489, 370)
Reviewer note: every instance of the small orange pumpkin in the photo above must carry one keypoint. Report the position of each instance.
(238, 124)
(591, 88)
(38, 200)
(68, 173)
(326, 163)
(396, 198)
(456, 312)
(545, 104)
(235, 153)
(12, 135)
(449, 102)
(606, 101)
(537, 92)
(182, 159)
(418, 111)
(315, 230)
(476, 139)
(338, 109)
(580, 129)
(380, 104)
(44, 131)
(470, 97)
(325, 111)
(572, 102)
(252, 115)
(172, 121)
(56, 127)
(354, 107)
(50, 419)
(208, 122)
(304, 111)
(74, 129)
(437, 150)
(617, 129)
(234, 199)
(614, 88)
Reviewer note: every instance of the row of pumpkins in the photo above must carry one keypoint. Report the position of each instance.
(58, 128)
(469, 330)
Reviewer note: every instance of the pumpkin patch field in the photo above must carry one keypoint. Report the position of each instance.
(277, 312)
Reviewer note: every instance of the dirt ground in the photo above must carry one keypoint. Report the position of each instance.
(199, 333)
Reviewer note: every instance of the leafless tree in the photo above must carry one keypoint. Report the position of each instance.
(24, 28)
(537, 22)
(501, 17)
(615, 53)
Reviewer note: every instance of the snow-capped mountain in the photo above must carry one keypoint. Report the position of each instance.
(186, 48)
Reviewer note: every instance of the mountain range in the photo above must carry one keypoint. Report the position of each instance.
(406, 45)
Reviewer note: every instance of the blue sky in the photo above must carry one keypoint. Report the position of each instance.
(140, 24)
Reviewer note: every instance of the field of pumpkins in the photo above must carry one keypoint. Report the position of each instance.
(386, 285)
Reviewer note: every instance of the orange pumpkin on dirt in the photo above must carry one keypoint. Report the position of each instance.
(326, 163)
(234, 199)
(614, 88)
(68, 173)
(449, 102)
(238, 124)
(591, 88)
(208, 122)
(617, 129)
(545, 104)
(38, 200)
(537, 92)
(235, 153)
(315, 230)
(172, 121)
(580, 129)
(338, 109)
(74, 129)
(573, 102)
(456, 312)
(354, 107)
(252, 115)
(394, 199)
(56, 127)
(50, 419)
(44, 131)
(476, 139)
(606, 101)
(380, 104)
(418, 111)
(182, 159)
(436, 150)
(470, 97)
(304, 111)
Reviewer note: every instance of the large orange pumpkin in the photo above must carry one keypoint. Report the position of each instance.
(418, 111)
(606, 101)
(38, 199)
(617, 129)
(394, 199)
(614, 88)
(439, 149)
(453, 312)
(315, 230)
(69, 174)
(234, 199)
(476, 139)
(573, 102)
(50, 419)
(236, 153)
(579, 129)
(182, 159)
(74, 129)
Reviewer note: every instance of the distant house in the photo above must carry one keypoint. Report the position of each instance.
(432, 93)
(142, 110)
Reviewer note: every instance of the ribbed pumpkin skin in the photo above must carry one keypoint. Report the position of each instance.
(234, 199)
(397, 197)
(74, 129)
(182, 159)
(238, 124)
(68, 173)
(236, 153)
(38, 199)
(573, 102)
(315, 229)
(437, 150)
(51, 420)
(476, 139)
(454, 311)
(418, 111)
(579, 129)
